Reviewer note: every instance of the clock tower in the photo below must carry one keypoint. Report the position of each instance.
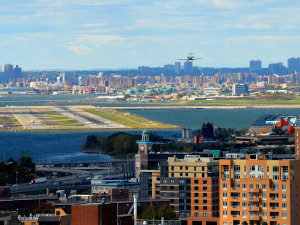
(145, 146)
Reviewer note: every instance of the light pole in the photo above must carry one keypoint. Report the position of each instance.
(17, 180)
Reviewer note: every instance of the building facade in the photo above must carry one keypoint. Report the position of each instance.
(258, 190)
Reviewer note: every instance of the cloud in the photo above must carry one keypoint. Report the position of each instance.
(225, 4)
(97, 38)
(80, 50)
(255, 26)
(94, 25)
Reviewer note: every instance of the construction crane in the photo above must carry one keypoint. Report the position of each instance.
(281, 123)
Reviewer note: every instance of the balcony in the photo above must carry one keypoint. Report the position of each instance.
(235, 197)
(255, 208)
(254, 190)
(254, 217)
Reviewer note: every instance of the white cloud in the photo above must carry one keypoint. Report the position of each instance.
(80, 50)
(97, 38)
(227, 4)
(94, 25)
(255, 26)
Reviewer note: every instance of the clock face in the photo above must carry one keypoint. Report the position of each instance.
(149, 147)
(142, 148)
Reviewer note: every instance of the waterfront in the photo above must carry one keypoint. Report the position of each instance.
(55, 146)
(65, 146)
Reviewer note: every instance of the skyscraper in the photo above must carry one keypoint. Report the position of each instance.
(177, 67)
(294, 64)
(188, 66)
(9, 71)
(255, 65)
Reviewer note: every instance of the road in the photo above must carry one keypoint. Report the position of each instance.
(79, 181)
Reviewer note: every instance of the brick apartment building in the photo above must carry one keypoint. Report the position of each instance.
(258, 190)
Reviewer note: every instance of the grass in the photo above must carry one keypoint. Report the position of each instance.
(128, 119)
(10, 121)
(64, 122)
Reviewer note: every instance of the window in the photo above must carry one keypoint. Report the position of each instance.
(237, 176)
(172, 181)
(196, 201)
(284, 205)
(244, 195)
(251, 186)
(195, 168)
(171, 187)
(244, 186)
(181, 168)
(237, 168)
(265, 205)
(172, 194)
(205, 195)
(196, 214)
(264, 196)
(224, 204)
(284, 215)
(196, 188)
(164, 181)
(224, 195)
(244, 205)
(204, 188)
(224, 186)
(57, 213)
(196, 181)
(224, 213)
(204, 214)
(284, 187)
(204, 201)
(224, 223)
(186, 167)
(196, 195)
(265, 215)
(33, 223)
(244, 214)
(204, 181)
(264, 187)
(283, 196)
(196, 207)
(186, 174)
(204, 207)
(257, 186)
(172, 167)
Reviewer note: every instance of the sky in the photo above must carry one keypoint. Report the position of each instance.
(113, 34)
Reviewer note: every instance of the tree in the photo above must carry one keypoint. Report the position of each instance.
(154, 212)
(124, 143)
(167, 212)
(126, 96)
(150, 212)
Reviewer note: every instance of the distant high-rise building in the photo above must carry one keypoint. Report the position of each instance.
(9, 71)
(276, 67)
(169, 67)
(177, 68)
(0, 68)
(255, 65)
(188, 66)
(17, 72)
(294, 64)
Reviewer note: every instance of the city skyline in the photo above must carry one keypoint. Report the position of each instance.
(79, 35)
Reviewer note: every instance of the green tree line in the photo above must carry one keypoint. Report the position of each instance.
(23, 170)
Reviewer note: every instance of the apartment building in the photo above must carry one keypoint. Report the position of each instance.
(258, 190)
(191, 184)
